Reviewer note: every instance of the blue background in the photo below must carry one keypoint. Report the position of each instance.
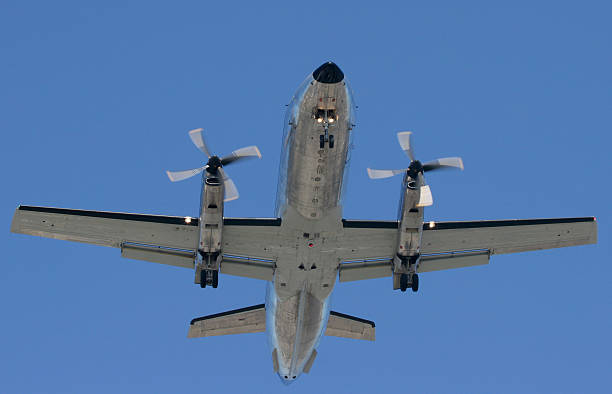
(95, 105)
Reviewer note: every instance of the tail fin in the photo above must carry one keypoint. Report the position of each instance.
(237, 321)
(346, 326)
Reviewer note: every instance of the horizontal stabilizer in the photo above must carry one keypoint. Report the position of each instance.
(346, 326)
(238, 321)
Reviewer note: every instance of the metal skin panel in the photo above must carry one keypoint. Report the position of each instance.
(367, 243)
(365, 240)
(240, 321)
(252, 240)
(308, 201)
(510, 236)
(248, 268)
(380, 269)
(105, 228)
(349, 272)
(453, 260)
(345, 326)
(178, 258)
(310, 361)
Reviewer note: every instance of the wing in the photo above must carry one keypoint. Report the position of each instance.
(367, 247)
(161, 239)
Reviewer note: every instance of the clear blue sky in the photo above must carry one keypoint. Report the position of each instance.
(96, 102)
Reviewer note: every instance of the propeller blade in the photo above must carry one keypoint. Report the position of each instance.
(446, 162)
(403, 138)
(231, 192)
(425, 198)
(380, 174)
(198, 140)
(242, 153)
(176, 176)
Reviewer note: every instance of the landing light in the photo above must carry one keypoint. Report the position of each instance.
(187, 219)
(331, 120)
(432, 224)
(319, 120)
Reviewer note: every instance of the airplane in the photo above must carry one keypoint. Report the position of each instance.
(307, 245)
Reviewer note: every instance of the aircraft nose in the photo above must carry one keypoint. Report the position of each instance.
(328, 73)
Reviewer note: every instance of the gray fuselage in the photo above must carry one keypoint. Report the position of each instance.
(313, 164)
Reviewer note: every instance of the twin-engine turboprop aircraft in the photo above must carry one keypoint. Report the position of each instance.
(307, 245)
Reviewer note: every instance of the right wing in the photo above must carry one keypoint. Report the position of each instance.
(239, 321)
(368, 247)
(161, 239)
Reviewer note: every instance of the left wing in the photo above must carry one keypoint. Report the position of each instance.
(367, 247)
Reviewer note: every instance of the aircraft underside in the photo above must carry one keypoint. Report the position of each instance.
(308, 245)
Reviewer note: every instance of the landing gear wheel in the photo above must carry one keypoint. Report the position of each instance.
(415, 283)
(215, 279)
(203, 278)
(403, 282)
(321, 141)
(331, 142)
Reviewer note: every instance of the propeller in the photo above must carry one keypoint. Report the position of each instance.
(214, 165)
(417, 169)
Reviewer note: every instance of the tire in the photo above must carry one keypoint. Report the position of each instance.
(203, 279)
(415, 283)
(215, 279)
(403, 282)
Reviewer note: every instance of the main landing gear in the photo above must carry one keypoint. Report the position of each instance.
(329, 138)
(209, 277)
(413, 283)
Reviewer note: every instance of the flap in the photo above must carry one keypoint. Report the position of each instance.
(238, 321)
(248, 268)
(158, 254)
(346, 326)
(372, 269)
(438, 262)
(361, 270)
